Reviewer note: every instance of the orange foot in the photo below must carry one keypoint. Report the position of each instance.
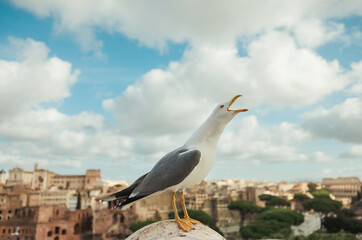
(184, 224)
(193, 221)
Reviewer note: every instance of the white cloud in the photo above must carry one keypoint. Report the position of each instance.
(284, 74)
(354, 151)
(177, 99)
(356, 75)
(28, 162)
(49, 133)
(341, 122)
(327, 171)
(157, 22)
(35, 78)
(247, 140)
(321, 157)
(314, 32)
(34, 133)
(43, 123)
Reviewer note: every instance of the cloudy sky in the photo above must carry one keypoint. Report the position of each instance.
(114, 85)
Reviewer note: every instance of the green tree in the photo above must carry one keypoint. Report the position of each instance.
(79, 201)
(282, 215)
(343, 221)
(277, 202)
(273, 201)
(245, 208)
(312, 187)
(265, 197)
(272, 223)
(264, 229)
(140, 224)
(301, 197)
(322, 204)
(329, 236)
(322, 193)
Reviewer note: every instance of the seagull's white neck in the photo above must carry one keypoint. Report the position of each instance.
(208, 133)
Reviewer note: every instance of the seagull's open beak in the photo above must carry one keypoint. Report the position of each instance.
(231, 103)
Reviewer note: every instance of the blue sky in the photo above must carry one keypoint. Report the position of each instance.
(116, 85)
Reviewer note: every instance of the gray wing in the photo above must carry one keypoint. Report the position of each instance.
(169, 171)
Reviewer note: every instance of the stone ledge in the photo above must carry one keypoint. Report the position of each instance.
(168, 230)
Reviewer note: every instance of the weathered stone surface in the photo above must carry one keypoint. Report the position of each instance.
(168, 230)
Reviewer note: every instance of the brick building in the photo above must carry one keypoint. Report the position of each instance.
(112, 225)
(45, 222)
(13, 198)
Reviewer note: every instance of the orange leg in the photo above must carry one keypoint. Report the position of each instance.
(182, 223)
(187, 217)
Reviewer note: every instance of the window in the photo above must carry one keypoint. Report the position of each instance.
(64, 232)
(76, 228)
(49, 234)
(57, 230)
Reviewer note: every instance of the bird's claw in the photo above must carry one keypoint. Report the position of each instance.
(184, 224)
(193, 221)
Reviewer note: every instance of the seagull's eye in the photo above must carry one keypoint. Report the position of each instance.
(221, 106)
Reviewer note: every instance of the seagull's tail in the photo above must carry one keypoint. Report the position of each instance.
(123, 194)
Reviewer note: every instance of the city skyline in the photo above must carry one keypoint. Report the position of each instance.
(114, 86)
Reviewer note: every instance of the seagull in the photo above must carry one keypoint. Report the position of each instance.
(181, 168)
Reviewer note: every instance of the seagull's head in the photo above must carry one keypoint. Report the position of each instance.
(223, 111)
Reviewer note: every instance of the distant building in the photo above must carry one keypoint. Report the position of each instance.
(76, 181)
(2, 177)
(228, 221)
(196, 200)
(13, 199)
(154, 207)
(41, 179)
(18, 176)
(299, 188)
(42, 187)
(112, 225)
(312, 223)
(67, 198)
(46, 222)
(252, 194)
(343, 188)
